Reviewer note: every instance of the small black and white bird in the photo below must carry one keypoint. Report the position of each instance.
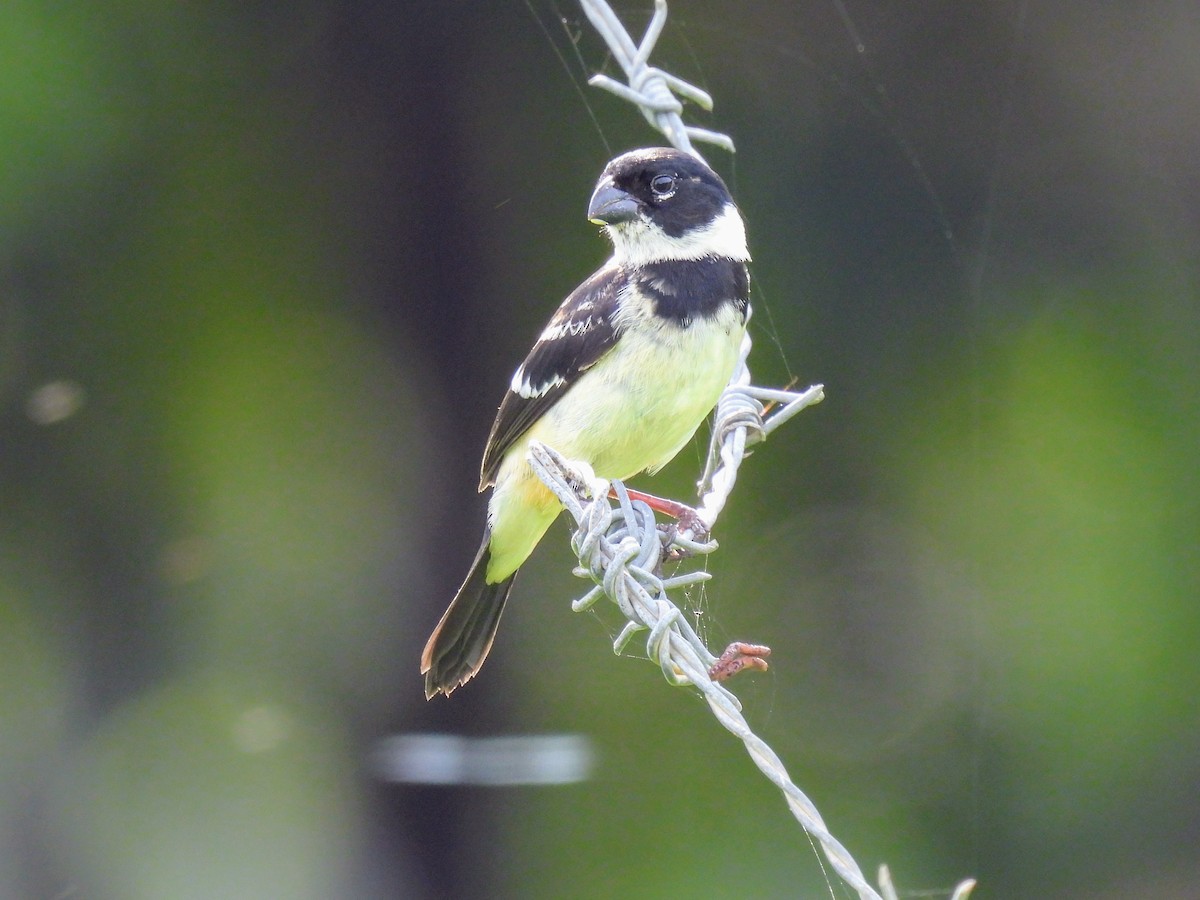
(621, 377)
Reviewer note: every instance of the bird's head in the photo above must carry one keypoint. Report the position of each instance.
(663, 204)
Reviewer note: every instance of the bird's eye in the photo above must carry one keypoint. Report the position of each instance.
(662, 185)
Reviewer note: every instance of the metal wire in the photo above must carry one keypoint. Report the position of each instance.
(738, 425)
(651, 90)
(621, 548)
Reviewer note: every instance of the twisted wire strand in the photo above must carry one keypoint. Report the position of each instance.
(738, 425)
(650, 89)
(621, 549)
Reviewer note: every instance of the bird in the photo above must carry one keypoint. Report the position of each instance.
(620, 378)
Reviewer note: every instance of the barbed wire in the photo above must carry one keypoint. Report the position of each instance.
(651, 90)
(621, 549)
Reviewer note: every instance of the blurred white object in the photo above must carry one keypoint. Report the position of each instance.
(54, 401)
(493, 761)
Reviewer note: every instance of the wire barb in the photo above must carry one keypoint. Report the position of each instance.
(739, 424)
(651, 89)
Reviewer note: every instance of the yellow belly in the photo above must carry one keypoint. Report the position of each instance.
(632, 412)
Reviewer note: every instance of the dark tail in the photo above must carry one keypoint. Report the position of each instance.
(462, 639)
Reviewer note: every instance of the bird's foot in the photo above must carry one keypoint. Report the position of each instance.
(688, 522)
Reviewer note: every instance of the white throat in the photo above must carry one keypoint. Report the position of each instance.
(639, 243)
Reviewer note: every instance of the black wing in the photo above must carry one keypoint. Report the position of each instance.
(578, 334)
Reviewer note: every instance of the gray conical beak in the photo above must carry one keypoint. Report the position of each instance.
(611, 205)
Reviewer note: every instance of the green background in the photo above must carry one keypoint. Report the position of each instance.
(265, 270)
